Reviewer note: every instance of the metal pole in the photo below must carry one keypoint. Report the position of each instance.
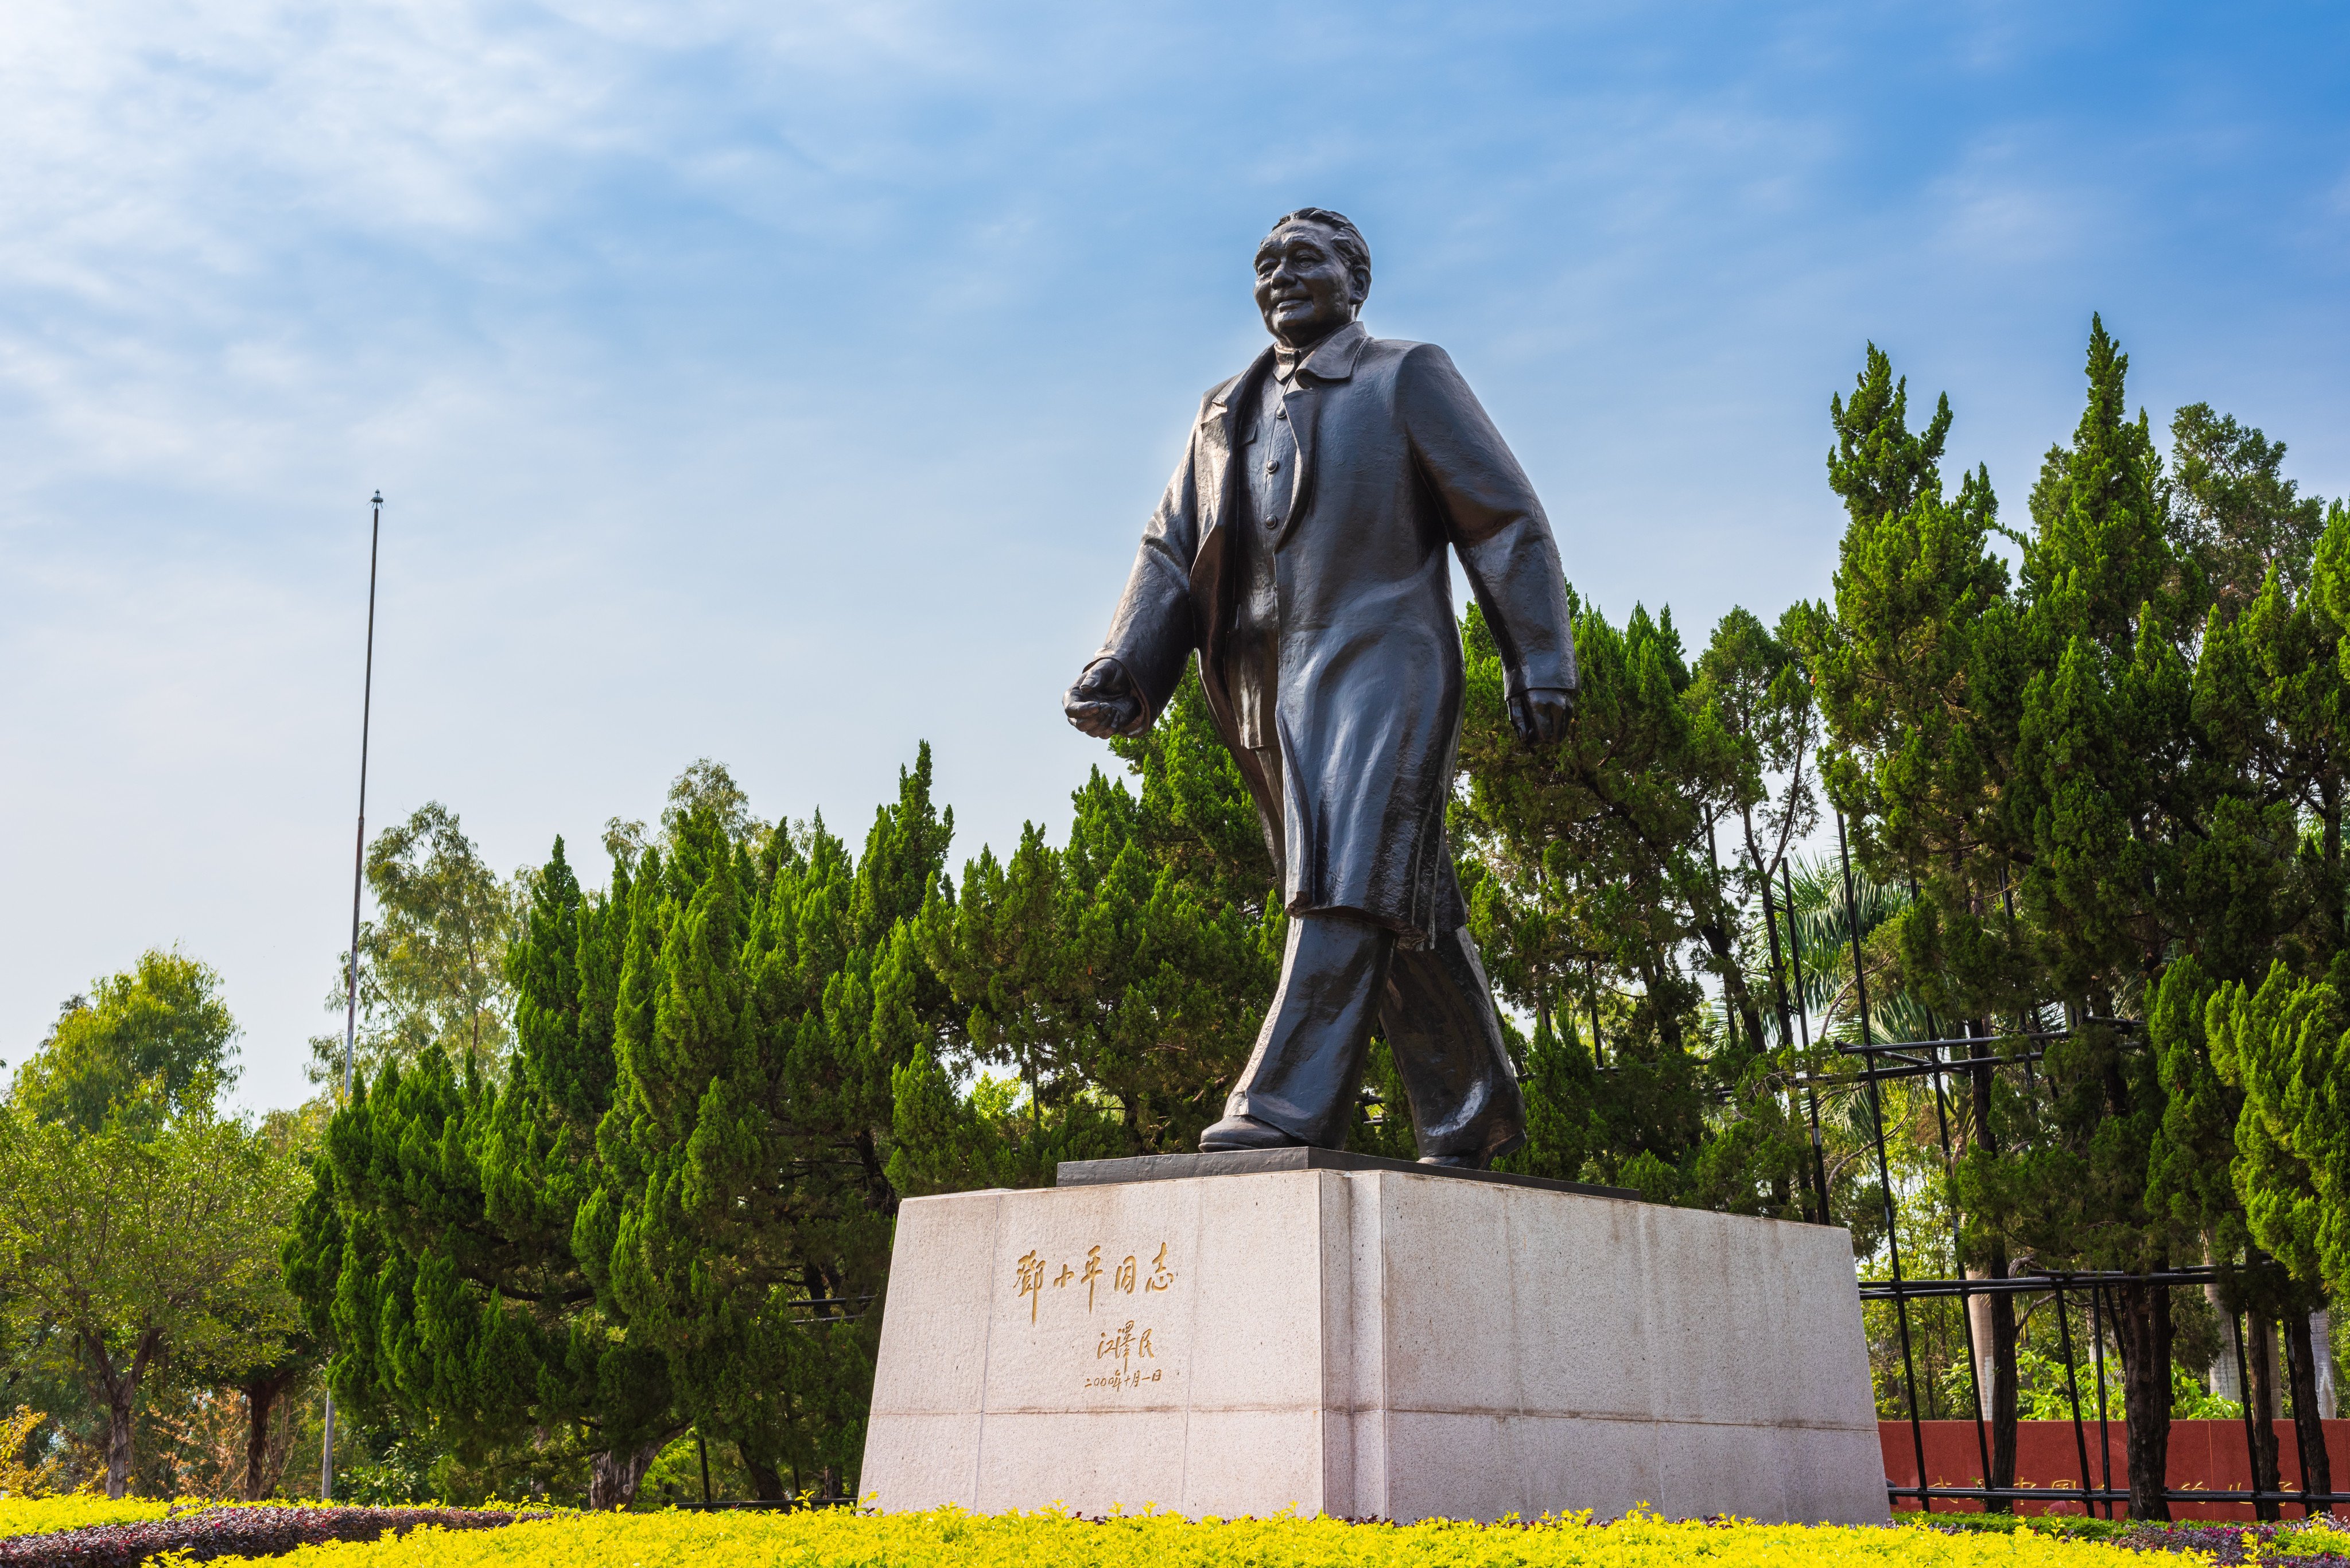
(1804, 1024)
(703, 1443)
(2098, 1351)
(1884, 1170)
(351, 981)
(1958, 1237)
(2072, 1394)
(2244, 1387)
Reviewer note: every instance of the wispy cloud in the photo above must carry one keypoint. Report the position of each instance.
(787, 383)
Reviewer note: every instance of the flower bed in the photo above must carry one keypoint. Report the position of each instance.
(947, 1539)
(223, 1533)
(462, 1538)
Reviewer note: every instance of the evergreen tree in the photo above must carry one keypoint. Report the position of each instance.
(1584, 869)
(765, 1001)
(1917, 676)
(2097, 807)
(2284, 1049)
(435, 1251)
(1118, 980)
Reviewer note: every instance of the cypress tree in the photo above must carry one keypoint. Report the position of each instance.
(2097, 805)
(764, 1005)
(436, 1249)
(1918, 679)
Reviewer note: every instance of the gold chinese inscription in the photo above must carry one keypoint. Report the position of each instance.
(1126, 1353)
(1127, 1356)
(1032, 1280)
(1098, 1276)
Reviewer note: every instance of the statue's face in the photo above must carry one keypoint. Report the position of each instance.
(1303, 286)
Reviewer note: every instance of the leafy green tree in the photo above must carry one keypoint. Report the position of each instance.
(432, 961)
(159, 1026)
(2098, 809)
(2283, 1048)
(2233, 513)
(435, 1250)
(1119, 980)
(1752, 682)
(1586, 871)
(151, 1239)
(743, 1216)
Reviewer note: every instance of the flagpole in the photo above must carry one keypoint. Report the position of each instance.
(359, 881)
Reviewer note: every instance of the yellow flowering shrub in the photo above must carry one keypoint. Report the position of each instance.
(948, 1538)
(39, 1515)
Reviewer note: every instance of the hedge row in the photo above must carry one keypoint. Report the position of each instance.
(230, 1532)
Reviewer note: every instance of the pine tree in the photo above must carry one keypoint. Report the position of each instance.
(765, 1004)
(2095, 807)
(435, 1250)
(1585, 872)
(2285, 1049)
(1917, 679)
(1119, 980)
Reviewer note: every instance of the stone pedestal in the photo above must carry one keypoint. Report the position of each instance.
(1361, 1339)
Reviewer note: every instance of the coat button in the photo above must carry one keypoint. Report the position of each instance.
(1281, 413)
(1273, 467)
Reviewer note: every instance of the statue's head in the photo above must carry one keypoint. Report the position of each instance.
(1313, 274)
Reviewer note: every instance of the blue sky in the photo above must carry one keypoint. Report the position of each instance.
(786, 384)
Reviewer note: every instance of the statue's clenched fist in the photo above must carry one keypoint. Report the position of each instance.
(1104, 702)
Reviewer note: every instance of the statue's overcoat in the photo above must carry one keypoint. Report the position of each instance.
(1398, 467)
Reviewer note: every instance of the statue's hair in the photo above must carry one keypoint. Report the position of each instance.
(1352, 248)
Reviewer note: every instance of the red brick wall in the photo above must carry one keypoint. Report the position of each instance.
(2208, 1454)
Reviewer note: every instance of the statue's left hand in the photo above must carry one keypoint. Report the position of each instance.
(1540, 713)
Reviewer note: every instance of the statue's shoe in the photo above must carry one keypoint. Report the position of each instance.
(1245, 1132)
(1456, 1161)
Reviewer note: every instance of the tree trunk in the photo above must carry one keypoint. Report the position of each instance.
(2308, 1430)
(2261, 1408)
(614, 1475)
(121, 1403)
(2227, 1382)
(2142, 1330)
(2005, 1394)
(2321, 1338)
(765, 1479)
(1995, 1330)
(261, 1397)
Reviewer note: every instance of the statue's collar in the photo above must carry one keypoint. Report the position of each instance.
(1332, 360)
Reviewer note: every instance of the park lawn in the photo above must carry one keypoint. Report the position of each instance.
(837, 1539)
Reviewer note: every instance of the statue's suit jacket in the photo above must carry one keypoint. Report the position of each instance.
(1398, 465)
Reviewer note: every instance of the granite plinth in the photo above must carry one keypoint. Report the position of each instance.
(1364, 1343)
(1254, 1161)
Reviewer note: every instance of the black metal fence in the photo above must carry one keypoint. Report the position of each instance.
(1879, 1062)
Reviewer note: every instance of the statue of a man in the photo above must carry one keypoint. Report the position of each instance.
(1302, 550)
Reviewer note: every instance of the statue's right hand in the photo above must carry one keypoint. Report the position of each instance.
(1104, 702)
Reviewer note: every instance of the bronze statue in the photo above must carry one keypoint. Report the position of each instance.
(1301, 548)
